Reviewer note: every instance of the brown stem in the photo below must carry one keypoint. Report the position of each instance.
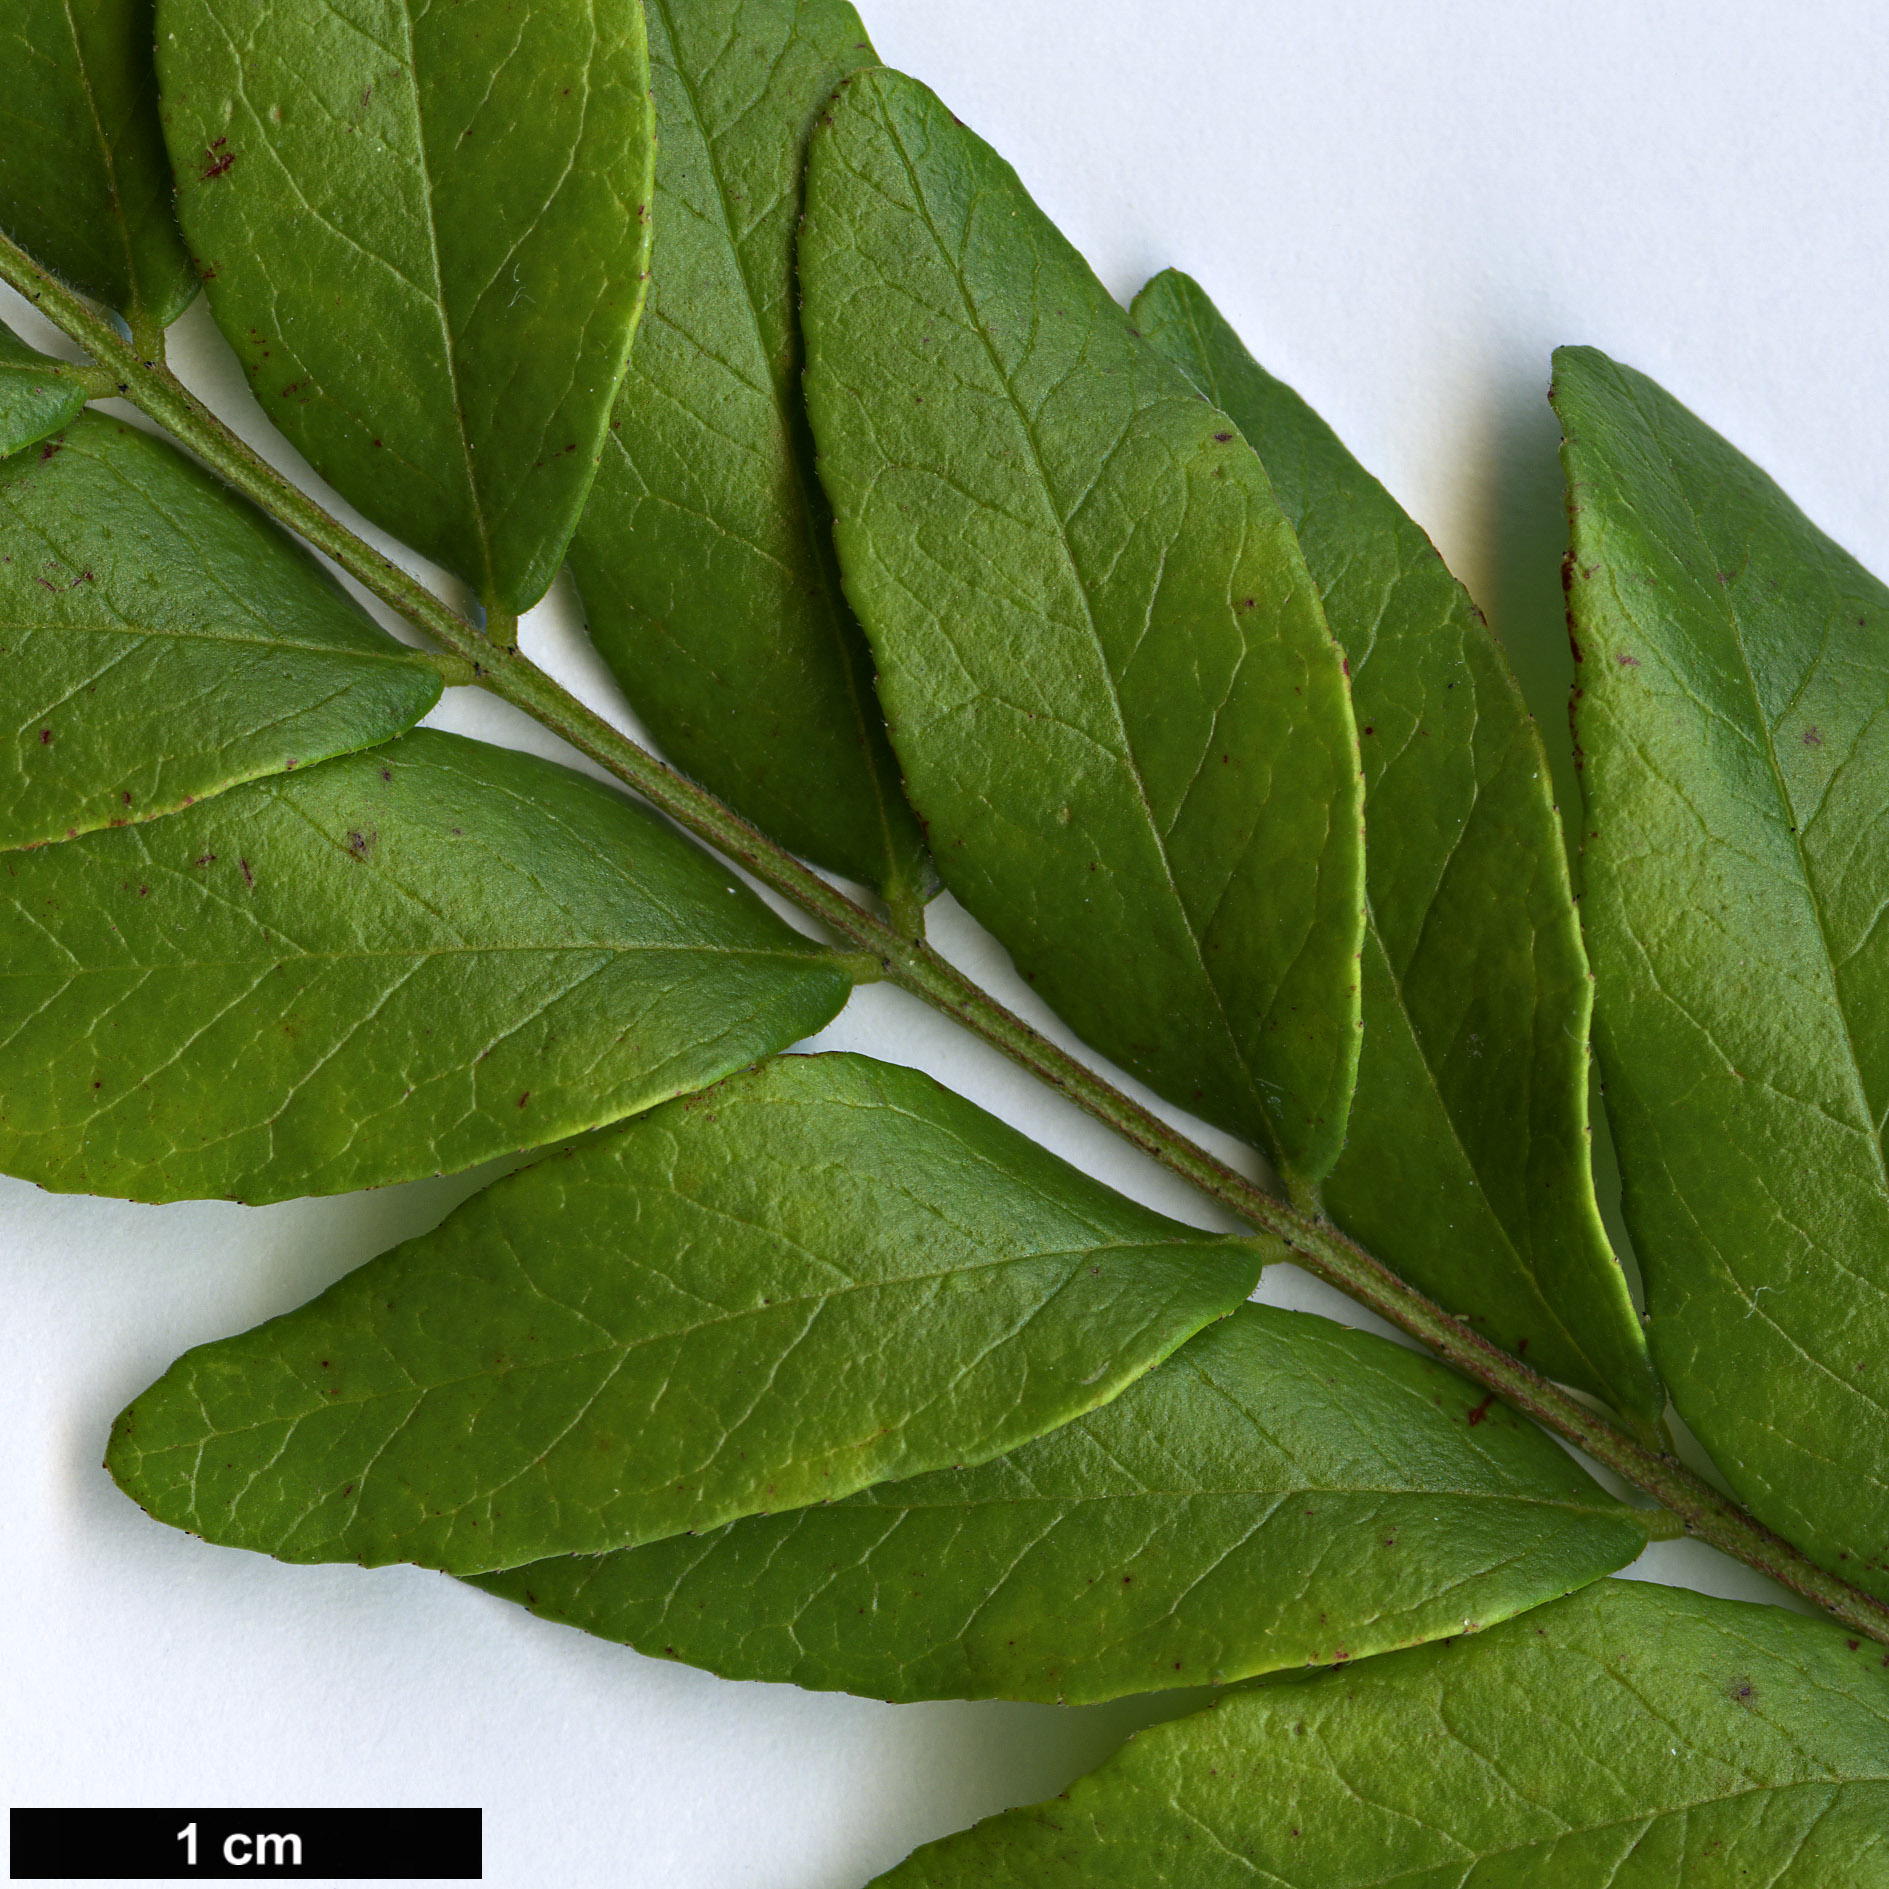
(907, 961)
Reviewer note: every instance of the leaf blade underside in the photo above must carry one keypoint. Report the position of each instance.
(1105, 670)
(161, 641)
(1628, 1737)
(38, 395)
(1730, 707)
(401, 962)
(1281, 1492)
(816, 1274)
(1466, 1166)
(435, 311)
(705, 555)
(84, 183)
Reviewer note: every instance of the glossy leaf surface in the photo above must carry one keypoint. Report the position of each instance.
(819, 1273)
(1466, 1167)
(1104, 666)
(161, 641)
(1282, 1492)
(1628, 1737)
(705, 556)
(399, 963)
(84, 182)
(425, 229)
(1731, 693)
(38, 395)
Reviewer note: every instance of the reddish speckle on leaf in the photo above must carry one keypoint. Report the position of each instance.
(45, 737)
(1221, 439)
(217, 158)
(1481, 1410)
(1626, 661)
(1812, 739)
(205, 859)
(523, 1099)
(249, 878)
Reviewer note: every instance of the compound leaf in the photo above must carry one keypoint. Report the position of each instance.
(1731, 700)
(822, 1272)
(38, 395)
(1281, 1492)
(161, 641)
(425, 231)
(84, 183)
(705, 555)
(1466, 1165)
(1628, 1737)
(1104, 666)
(398, 963)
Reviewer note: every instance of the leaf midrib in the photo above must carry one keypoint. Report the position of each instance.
(1650, 1818)
(624, 1347)
(1860, 1091)
(1132, 765)
(424, 952)
(107, 162)
(838, 612)
(395, 653)
(1423, 1492)
(1524, 1265)
(488, 589)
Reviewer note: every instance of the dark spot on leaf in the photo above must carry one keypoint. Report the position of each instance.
(1812, 739)
(45, 737)
(249, 878)
(1626, 661)
(523, 1099)
(1222, 438)
(1481, 1410)
(217, 159)
(207, 859)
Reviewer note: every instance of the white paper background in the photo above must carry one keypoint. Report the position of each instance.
(1404, 208)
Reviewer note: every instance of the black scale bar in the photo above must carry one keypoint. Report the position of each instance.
(244, 1845)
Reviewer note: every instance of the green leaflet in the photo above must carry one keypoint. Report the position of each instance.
(1730, 702)
(1104, 666)
(433, 307)
(823, 1272)
(1466, 1167)
(1282, 1492)
(160, 641)
(84, 184)
(1628, 1737)
(399, 963)
(38, 395)
(705, 556)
